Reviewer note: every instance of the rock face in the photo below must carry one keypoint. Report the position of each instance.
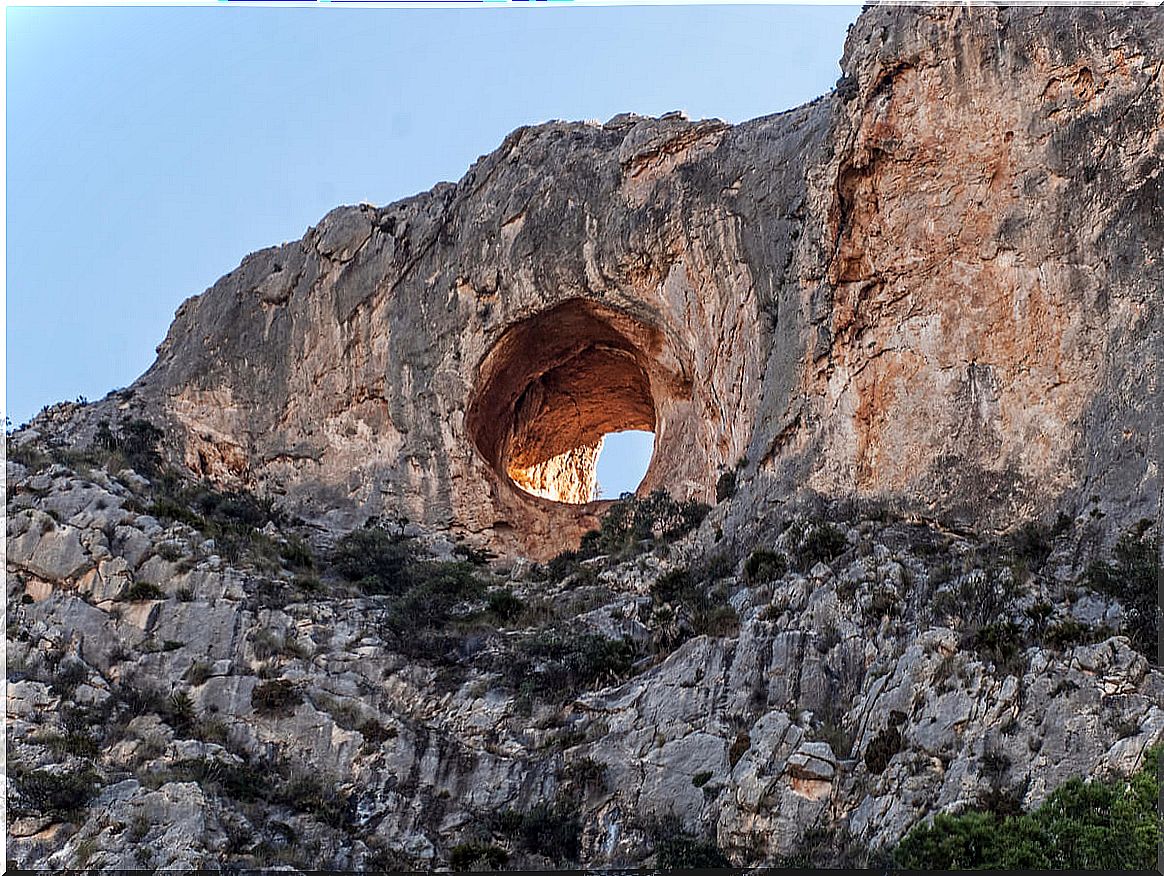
(881, 331)
(935, 284)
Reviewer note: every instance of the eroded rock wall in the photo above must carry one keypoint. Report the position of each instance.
(937, 284)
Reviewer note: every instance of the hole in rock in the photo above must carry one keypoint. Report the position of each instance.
(555, 385)
(623, 461)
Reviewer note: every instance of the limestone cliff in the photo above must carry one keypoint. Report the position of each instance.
(907, 336)
(935, 284)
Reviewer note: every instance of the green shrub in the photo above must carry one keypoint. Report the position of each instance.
(823, 543)
(632, 522)
(432, 591)
(1031, 544)
(585, 773)
(477, 856)
(44, 792)
(475, 556)
(312, 795)
(142, 590)
(278, 697)
(1134, 580)
(1069, 632)
(296, 555)
(704, 608)
(701, 778)
(555, 665)
(686, 852)
(76, 744)
(550, 830)
(376, 558)
(1002, 643)
(764, 565)
(1082, 826)
(725, 487)
(884, 745)
(504, 606)
(69, 674)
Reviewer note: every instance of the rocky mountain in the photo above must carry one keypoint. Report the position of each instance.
(328, 586)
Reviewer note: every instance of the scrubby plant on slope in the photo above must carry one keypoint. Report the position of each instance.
(1095, 825)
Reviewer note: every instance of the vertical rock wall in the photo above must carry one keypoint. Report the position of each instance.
(939, 284)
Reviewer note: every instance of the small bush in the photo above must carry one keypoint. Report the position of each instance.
(703, 608)
(198, 672)
(585, 773)
(296, 555)
(140, 591)
(555, 665)
(277, 697)
(631, 523)
(686, 852)
(549, 830)
(504, 606)
(476, 857)
(76, 744)
(1112, 826)
(59, 794)
(823, 544)
(701, 778)
(1134, 581)
(376, 558)
(884, 745)
(763, 566)
(433, 590)
(1069, 632)
(725, 487)
(69, 674)
(739, 747)
(1002, 643)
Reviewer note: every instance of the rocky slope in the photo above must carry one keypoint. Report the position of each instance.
(289, 598)
(172, 708)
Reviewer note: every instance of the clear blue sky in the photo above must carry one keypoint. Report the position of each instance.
(149, 150)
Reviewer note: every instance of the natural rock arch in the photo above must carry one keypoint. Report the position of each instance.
(555, 383)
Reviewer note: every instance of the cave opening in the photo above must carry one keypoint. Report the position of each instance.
(623, 461)
(555, 387)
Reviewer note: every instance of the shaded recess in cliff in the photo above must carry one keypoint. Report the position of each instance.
(555, 384)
